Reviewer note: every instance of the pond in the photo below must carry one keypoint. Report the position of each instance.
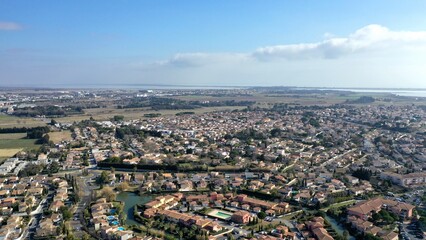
(130, 199)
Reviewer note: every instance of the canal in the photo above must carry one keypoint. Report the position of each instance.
(336, 226)
(130, 199)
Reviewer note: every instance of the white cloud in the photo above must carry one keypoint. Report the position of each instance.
(10, 26)
(372, 56)
(201, 59)
(371, 38)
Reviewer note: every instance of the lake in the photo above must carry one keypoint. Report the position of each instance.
(130, 199)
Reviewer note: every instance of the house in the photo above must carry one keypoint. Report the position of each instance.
(213, 227)
(99, 223)
(35, 191)
(56, 205)
(407, 180)
(241, 217)
(364, 210)
(8, 202)
(56, 218)
(322, 234)
(14, 221)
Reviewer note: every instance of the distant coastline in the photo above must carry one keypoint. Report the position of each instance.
(407, 92)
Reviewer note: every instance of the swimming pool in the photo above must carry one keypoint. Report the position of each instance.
(221, 214)
(120, 228)
(110, 218)
(115, 223)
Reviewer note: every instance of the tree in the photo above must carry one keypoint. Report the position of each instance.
(54, 167)
(108, 193)
(261, 215)
(86, 214)
(66, 213)
(362, 173)
(118, 118)
(85, 236)
(103, 178)
(85, 162)
(345, 234)
(123, 186)
(58, 230)
(29, 202)
(370, 236)
(44, 139)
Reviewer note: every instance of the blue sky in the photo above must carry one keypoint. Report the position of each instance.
(303, 43)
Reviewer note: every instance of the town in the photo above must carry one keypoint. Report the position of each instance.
(252, 163)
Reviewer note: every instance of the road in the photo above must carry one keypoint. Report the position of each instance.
(78, 210)
(336, 157)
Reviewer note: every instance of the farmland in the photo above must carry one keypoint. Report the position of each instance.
(10, 122)
(10, 144)
(58, 137)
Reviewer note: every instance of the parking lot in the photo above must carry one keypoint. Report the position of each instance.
(410, 231)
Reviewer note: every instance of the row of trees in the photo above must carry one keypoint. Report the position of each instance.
(52, 111)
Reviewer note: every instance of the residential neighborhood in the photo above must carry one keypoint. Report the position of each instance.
(282, 172)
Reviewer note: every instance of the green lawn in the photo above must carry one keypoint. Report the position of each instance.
(9, 147)
(338, 205)
(18, 143)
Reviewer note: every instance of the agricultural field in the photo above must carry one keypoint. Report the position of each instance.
(7, 153)
(7, 121)
(9, 136)
(305, 99)
(12, 143)
(136, 113)
(58, 137)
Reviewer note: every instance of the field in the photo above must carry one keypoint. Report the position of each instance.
(267, 100)
(12, 143)
(7, 153)
(18, 143)
(262, 100)
(10, 122)
(58, 137)
(9, 136)
(136, 113)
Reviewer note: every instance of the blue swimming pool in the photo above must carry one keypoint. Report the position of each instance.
(120, 228)
(115, 223)
(110, 218)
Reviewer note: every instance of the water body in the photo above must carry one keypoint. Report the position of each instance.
(130, 199)
(404, 93)
(336, 226)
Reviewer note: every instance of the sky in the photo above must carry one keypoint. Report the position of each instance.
(362, 44)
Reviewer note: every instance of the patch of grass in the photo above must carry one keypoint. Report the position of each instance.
(340, 204)
(58, 137)
(135, 113)
(7, 121)
(12, 143)
(18, 143)
(9, 136)
(7, 153)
